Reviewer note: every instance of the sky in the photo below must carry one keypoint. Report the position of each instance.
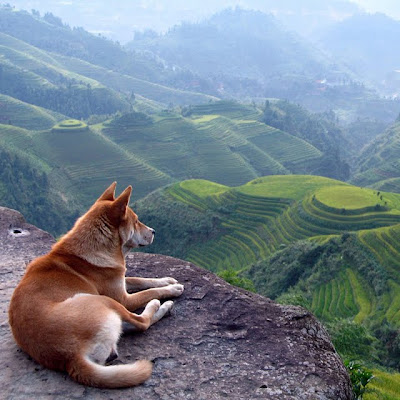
(389, 7)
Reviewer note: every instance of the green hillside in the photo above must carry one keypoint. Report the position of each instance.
(79, 163)
(31, 75)
(24, 115)
(318, 242)
(221, 141)
(258, 218)
(378, 164)
(90, 162)
(127, 84)
(56, 50)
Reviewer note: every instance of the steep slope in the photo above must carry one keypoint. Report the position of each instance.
(378, 164)
(24, 115)
(32, 76)
(222, 141)
(327, 245)
(219, 340)
(88, 162)
(254, 220)
(59, 50)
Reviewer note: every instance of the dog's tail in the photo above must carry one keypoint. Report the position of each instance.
(89, 373)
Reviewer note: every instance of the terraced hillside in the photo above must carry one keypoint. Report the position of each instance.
(308, 240)
(90, 162)
(41, 69)
(260, 217)
(31, 75)
(127, 84)
(221, 141)
(378, 164)
(17, 113)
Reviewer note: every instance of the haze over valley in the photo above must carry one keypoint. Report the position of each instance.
(261, 138)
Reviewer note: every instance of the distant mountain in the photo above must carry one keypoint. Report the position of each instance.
(367, 43)
(34, 71)
(246, 54)
(238, 44)
(51, 34)
(119, 20)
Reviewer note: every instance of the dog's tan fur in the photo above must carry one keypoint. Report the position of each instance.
(68, 309)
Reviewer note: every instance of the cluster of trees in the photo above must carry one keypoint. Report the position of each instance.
(71, 99)
(318, 129)
(55, 36)
(24, 188)
(178, 225)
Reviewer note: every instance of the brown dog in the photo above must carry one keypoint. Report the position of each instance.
(68, 309)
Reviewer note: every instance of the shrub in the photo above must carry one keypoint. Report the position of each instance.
(232, 277)
(359, 376)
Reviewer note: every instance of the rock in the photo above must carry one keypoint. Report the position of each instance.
(219, 341)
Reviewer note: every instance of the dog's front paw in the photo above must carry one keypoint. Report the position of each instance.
(166, 281)
(175, 290)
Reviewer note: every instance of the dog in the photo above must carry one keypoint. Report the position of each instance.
(68, 309)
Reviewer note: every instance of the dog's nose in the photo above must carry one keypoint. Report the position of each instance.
(153, 231)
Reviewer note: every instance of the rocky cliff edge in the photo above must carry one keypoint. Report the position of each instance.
(219, 342)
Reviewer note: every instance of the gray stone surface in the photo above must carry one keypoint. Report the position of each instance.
(220, 342)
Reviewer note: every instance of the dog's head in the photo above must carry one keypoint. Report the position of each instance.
(132, 232)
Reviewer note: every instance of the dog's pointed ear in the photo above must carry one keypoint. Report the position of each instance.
(109, 193)
(122, 201)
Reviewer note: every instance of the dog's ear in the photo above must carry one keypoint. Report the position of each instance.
(121, 202)
(109, 193)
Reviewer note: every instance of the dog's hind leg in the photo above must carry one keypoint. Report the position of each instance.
(160, 313)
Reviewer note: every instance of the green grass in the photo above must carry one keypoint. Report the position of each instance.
(203, 188)
(348, 197)
(70, 125)
(260, 216)
(337, 298)
(292, 186)
(385, 386)
(364, 296)
(345, 296)
(24, 115)
(127, 84)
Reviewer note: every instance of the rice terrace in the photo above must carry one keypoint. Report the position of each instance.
(262, 146)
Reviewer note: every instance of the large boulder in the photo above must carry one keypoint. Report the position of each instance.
(219, 341)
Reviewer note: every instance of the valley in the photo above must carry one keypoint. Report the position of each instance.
(280, 174)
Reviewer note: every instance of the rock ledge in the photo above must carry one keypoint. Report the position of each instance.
(219, 342)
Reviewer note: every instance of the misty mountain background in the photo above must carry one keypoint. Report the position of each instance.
(127, 16)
